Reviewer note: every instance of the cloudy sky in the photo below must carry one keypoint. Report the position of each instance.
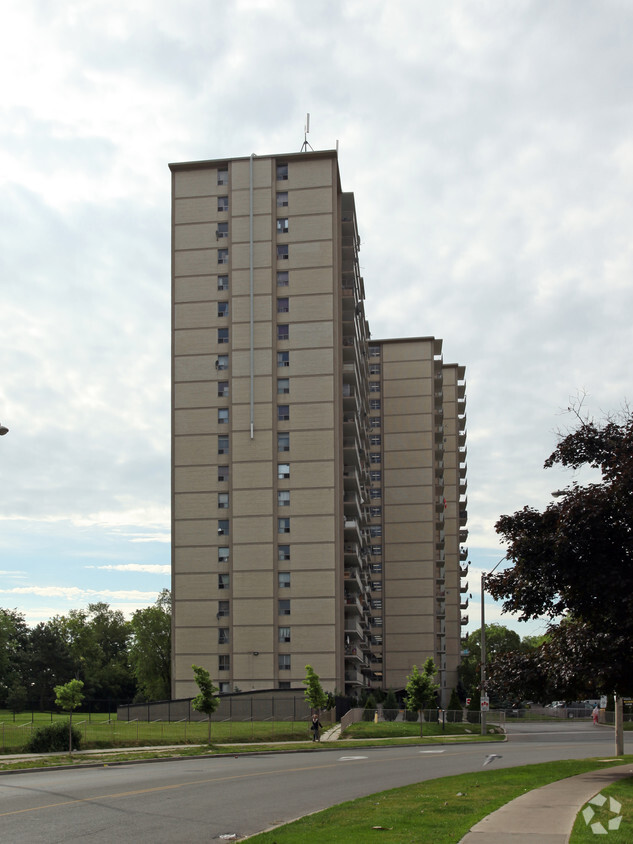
(490, 148)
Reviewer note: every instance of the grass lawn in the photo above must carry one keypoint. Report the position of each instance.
(622, 792)
(441, 811)
(389, 729)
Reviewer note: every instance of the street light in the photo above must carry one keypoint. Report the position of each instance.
(3, 430)
(483, 646)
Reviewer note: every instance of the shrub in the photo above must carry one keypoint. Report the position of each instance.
(390, 706)
(411, 715)
(52, 738)
(454, 710)
(369, 709)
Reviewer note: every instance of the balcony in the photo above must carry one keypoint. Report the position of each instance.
(353, 629)
(352, 580)
(464, 620)
(463, 553)
(463, 571)
(463, 534)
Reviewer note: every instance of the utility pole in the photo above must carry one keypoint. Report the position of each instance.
(482, 684)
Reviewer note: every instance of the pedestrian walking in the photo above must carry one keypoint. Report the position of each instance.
(315, 726)
(595, 714)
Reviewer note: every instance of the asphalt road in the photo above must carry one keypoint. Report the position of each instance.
(200, 799)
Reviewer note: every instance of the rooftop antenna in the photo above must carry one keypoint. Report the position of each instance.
(306, 129)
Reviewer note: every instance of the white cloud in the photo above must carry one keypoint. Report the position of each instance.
(489, 150)
(149, 569)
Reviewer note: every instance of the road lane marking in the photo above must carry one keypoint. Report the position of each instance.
(351, 758)
(380, 759)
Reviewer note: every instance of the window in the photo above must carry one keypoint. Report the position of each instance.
(374, 421)
(375, 512)
(283, 607)
(223, 609)
(282, 198)
(223, 416)
(284, 662)
(375, 457)
(282, 225)
(223, 203)
(223, 176)
(283, 441)
(374, 386)
(283, 498)
(223, 389)
(223, 256)
(374, 404)
(223, 337)
(283, 305)
(283, 470)
(223, 554)
(283, 332)
(223, 473)
(376, 550)
(283, 634)
(223, 309)
(283, 386)
(375, 476)
(283, 684)
(223, 527)
(223, 500)
(375, 493)
(223, 636)
(283, 358)
(284, 554)
(224, 662)
(375, 439)
(282, 252)
(283, 525)
(222, 230)
(283, 278)
(375, 530)
(376, 586)
(282, 172)
(223, 282)
(374, 369)
(223, 445)
(283, 412)
(374, 351)
(222, 361)
(225, 688)
(223, 581)
(284, 576)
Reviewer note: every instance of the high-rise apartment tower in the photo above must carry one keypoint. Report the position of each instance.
(318, 475)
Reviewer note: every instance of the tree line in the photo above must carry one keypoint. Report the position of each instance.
(115, 659)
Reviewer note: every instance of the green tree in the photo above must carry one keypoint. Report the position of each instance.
(390, 706)
(499, 639)
(47, 663)
(369, 710)
(314, 695)
(454, 710)
(421, 690)
(13, 642)
(575, 559)
(17, 698)
(150, 649)
(68, 697)
(97, 640)
(206, 701)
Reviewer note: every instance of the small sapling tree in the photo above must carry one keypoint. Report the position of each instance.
(206, 701)
(69, 697)
(421, 689)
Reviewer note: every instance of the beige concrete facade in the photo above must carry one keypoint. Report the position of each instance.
(307, 461)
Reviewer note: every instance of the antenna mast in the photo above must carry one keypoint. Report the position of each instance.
(306, 129)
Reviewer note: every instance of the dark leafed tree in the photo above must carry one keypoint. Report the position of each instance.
(575, 559)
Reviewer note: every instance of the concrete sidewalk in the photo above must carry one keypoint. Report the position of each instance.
(545, 815)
